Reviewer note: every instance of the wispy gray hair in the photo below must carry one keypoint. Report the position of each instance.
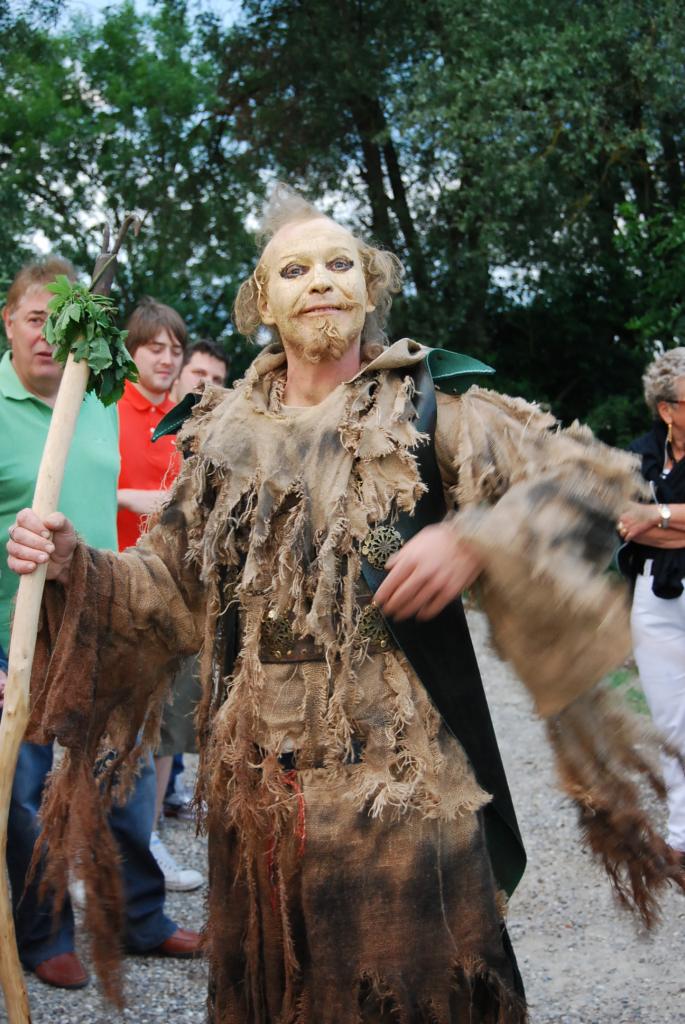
(660, 379)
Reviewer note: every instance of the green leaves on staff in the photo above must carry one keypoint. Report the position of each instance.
(83, 323)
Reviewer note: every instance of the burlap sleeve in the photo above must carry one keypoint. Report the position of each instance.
(110, 640)
(540, 506)
(108, 646)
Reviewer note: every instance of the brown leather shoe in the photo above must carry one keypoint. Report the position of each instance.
(62, 971)
(182, 945)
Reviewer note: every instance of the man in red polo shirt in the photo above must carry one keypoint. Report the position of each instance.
(157, 339)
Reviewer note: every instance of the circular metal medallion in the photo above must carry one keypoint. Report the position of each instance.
(379, 544)
(278, 638)
(372, 629)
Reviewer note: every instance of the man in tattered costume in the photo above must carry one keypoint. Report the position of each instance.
(362, 840)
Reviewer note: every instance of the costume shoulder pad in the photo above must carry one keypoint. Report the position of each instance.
(202, 402)
(455, 372)
(174, 420)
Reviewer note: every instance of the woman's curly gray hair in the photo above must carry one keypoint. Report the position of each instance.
(660, 379)
(383, 271)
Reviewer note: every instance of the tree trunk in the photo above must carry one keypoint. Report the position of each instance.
(372, 172)
(404, 218)
(378, 148)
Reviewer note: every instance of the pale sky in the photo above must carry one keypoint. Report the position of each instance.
(226, 9)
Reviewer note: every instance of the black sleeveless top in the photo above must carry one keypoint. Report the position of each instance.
(668, 566)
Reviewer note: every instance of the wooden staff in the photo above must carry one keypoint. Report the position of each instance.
(15, 713)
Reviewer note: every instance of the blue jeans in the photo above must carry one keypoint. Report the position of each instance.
(38, 938)
(177, 768)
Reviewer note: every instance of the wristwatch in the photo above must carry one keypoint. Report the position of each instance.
(665, 514)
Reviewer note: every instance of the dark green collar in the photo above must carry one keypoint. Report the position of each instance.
(451, 371)
(174, 420)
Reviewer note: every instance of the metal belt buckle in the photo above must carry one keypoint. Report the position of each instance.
(372, 629)
(278, 639)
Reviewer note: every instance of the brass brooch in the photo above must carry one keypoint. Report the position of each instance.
(379, 544)
(372, 629)
(278, 639)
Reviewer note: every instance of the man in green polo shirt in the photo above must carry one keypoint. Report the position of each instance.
(29, 380)
(25, 413)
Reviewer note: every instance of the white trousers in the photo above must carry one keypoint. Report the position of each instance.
(659, 647)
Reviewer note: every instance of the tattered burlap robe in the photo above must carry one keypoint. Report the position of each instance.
(270, 511)
(375, 922)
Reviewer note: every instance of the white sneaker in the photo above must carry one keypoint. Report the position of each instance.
(77, 893)
(176, 878)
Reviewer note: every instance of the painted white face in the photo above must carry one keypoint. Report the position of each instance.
(315, 290)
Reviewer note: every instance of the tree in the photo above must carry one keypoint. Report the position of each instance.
(115, 116)
(494, 146)
(654, 251)
(550, 116)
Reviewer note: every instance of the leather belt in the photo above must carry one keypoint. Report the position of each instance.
(280, 645)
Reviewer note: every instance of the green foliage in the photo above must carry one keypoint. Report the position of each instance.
(619, 419)
(525, 159)
(493, 146)
(654, 249)
(83, 323)
(98, 119)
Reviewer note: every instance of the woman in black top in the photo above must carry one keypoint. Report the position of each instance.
(654, 557)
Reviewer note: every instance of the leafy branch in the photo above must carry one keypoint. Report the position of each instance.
(84, 323)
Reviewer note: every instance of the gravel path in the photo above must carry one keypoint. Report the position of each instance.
(583, 960)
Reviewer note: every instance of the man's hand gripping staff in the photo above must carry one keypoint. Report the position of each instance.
(34, 542)
(86, 338)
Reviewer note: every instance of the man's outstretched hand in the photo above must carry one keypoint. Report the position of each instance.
(34, 541)
(430, 570)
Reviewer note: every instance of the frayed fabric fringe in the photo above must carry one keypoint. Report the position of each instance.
(79, 843)
(597, 749)
(476, 996)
